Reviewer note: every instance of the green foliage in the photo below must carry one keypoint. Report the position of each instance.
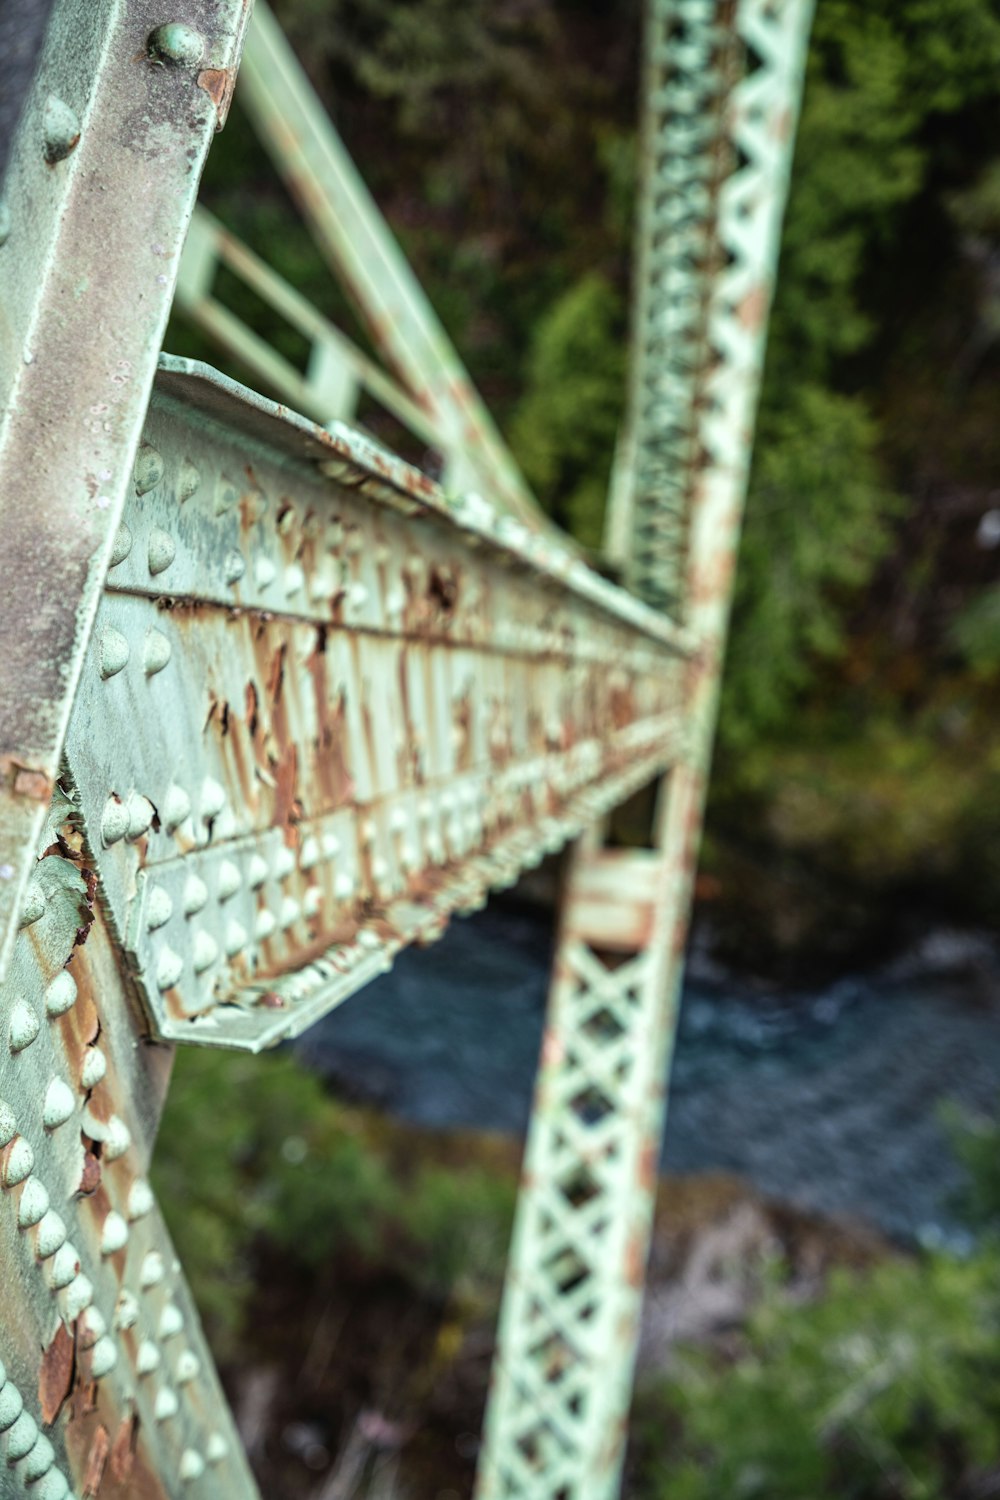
(975, 632)
(817, 525)
(563, 431)
(253, 1153)
(887, 1388)
(822, 505)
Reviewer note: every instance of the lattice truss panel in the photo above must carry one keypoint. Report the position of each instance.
(578, 1257)
(559, 1401)
(321, 709)
(688, 64)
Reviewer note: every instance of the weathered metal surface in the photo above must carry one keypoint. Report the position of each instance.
(106, 1386)
(562, 1380)
(95, 204)
(322, 708)
(386, 295)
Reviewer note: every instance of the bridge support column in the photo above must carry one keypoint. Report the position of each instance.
(709, 232)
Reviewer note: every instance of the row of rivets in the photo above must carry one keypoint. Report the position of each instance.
(27, 1446)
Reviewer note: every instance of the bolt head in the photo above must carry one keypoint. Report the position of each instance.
(177, 44)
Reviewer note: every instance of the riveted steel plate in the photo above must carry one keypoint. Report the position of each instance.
(322, 708)
(95, 203)
(106, 1385)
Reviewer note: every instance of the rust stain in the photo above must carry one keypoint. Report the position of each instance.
(55, 1377)
(753, 309)
(90, 1177)
(97, 1458)
(635, 1261)
(123, 1448)
(218, 84)
(34, 785)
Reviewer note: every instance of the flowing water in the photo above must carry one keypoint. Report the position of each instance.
(832, 1100)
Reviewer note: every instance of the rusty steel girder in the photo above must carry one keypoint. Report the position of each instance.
(322, 708)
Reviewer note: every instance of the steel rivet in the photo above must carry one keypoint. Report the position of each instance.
(256, 872)
(229, 880)
(169, 969)
(176, 806)
(188, 481)
(52, 1486)
(140, 1199)
(156, 651)
(34, 904)
(166, 1405)
(23, 1026)
(152, 1270)
(294, 579)
(225, 496)
(140, 814)
(204, 951)
(343, 887)
(148, 1358)
(217, 1448)
(313, 901)
(115, 1233)
(284, 862)
(195, 895)
(264, 925)
(8, 1129)
(39, 1461)
(236, 939)
(171, 1321)
(117, 1138)
(186, 1368)
(11, 1405)
(60, 129)
(289, 911)
(126, 1312)
(159, 908)
(264, 572)
(91, 1327)
(34, 1204)
(94, 1068)
(21, 1438)
(78, 1297)
(113, 652)
(58, 1105)
(50, 1235)
(148, 469)
(103, 1358)
(122, 546)
(213, 799)
(192, 1465)
(161, 550)
(233, 567)
(64, 1268)
(114, 821)
(61, 994)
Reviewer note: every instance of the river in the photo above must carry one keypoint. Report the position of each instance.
(830, 1099)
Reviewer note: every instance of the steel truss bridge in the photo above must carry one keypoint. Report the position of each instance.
(274, 704)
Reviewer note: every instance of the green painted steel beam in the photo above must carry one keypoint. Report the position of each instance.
(337, 372)
(323, 707)
(361, 250)
(97, 198)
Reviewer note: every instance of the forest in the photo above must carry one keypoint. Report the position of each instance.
(856, 786)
